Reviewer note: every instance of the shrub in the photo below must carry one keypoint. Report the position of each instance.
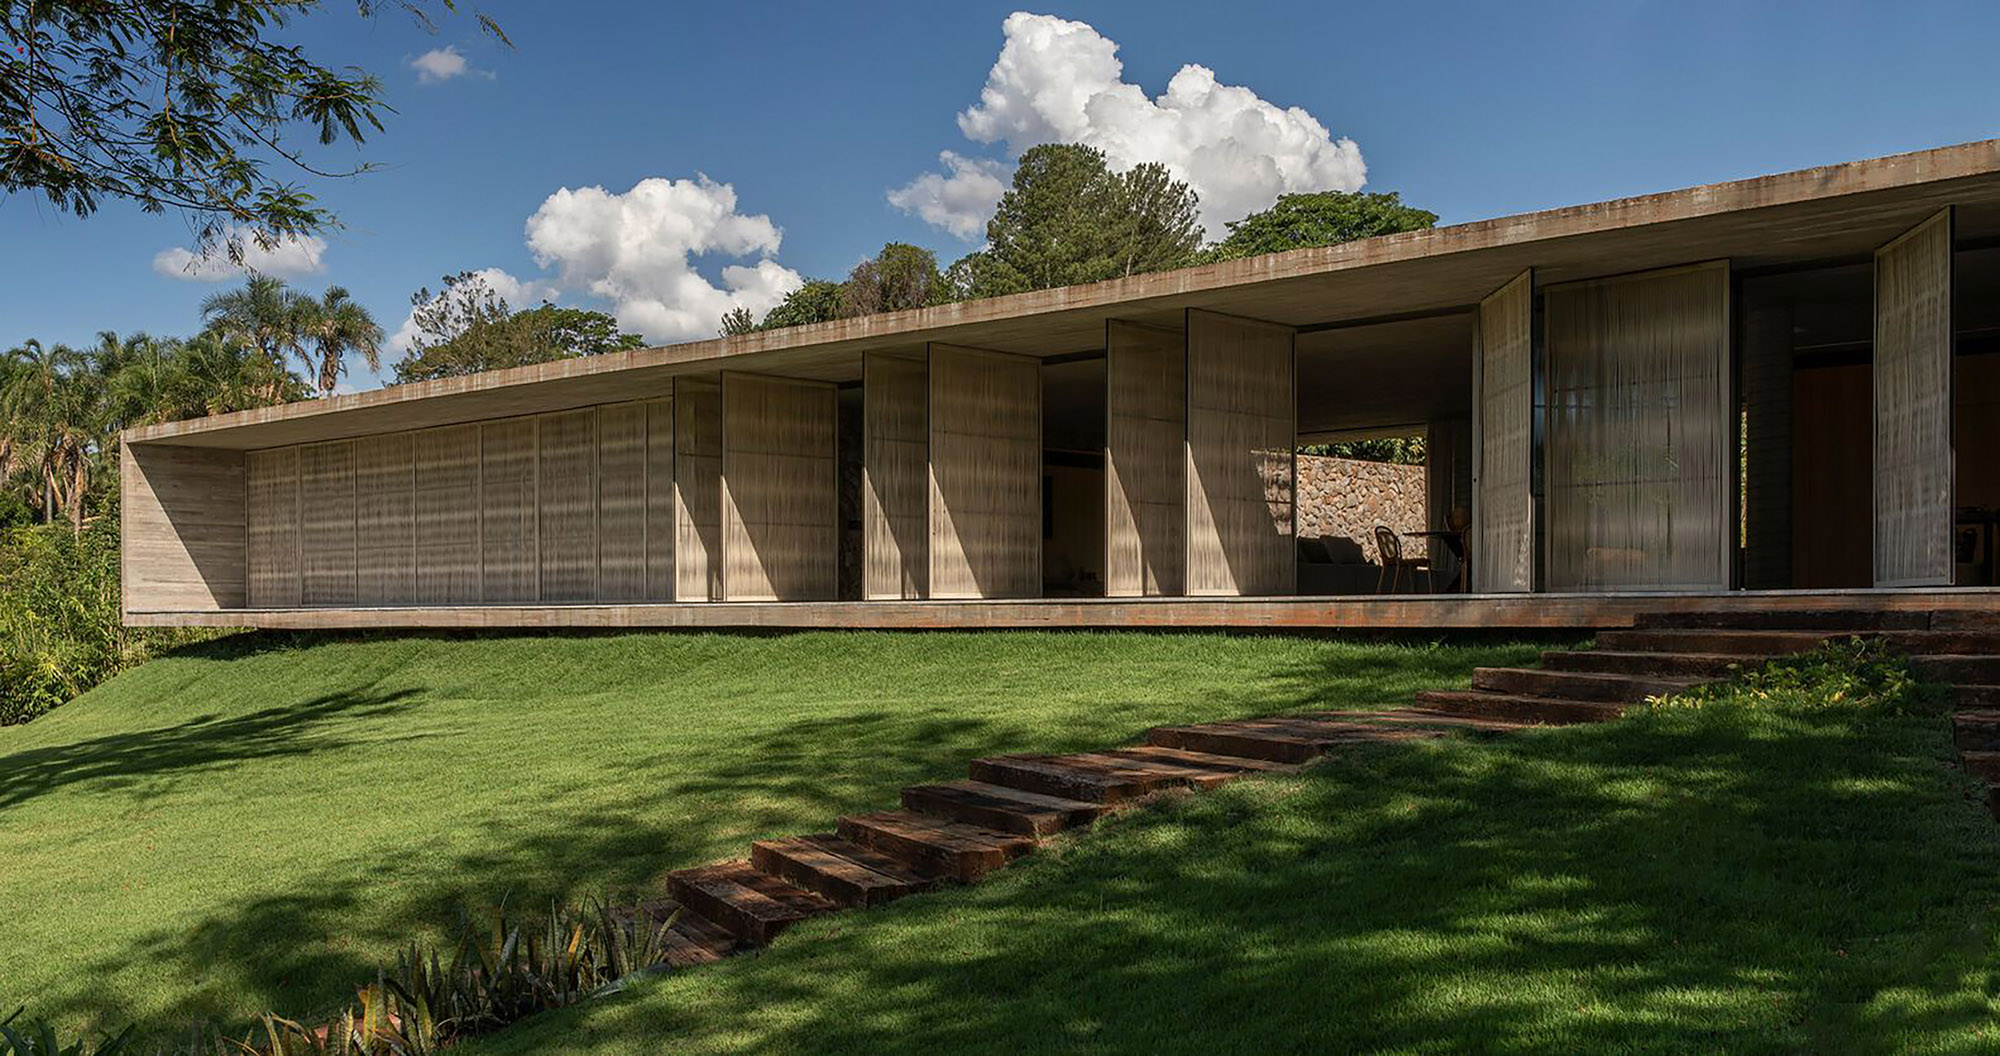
(60, 620)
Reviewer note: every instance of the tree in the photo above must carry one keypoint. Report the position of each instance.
(1067, 218)
(466, 328)
(171, 104)
(1323, 218)
(264, 314)
(901, 276)
(818, 301)
(336, 325)
(285, 324)
(738, 320)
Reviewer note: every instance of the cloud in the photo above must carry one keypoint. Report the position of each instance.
(440, 64)
(1058, 81)
(518, 293)
(637, 251)
(289, 258)
(959, 201)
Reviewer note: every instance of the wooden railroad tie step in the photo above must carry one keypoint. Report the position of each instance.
(751, 903)
(935, 847)
(1000, 807)
(1531, 709)
(1576, 685)
(1666, 665)
(838, 869)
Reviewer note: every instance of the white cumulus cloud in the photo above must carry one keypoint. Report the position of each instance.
(959, 200)
(440, 64)
(637, 251)
(1058, 81)
(288, 258)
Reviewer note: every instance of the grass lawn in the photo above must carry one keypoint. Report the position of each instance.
(1739, 878)
(257, 823)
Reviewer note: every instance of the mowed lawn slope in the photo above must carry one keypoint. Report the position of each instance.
(1736, 879)
(258, 823)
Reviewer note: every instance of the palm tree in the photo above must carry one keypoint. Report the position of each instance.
(264, 314)
(337, 324)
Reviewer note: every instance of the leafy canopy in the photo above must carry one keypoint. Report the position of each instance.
(1322, 218)
(466, 328)
(186, 104)
(1069, 219)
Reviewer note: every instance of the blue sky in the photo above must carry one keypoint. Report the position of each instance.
(814, 113)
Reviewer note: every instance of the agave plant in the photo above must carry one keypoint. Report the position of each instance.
(39, 1039)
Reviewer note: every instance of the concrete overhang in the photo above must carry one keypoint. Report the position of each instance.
(1835, 213)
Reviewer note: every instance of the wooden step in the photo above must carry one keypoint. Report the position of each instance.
(1227, 764)
(1958, 668)
(1575, 685)
(1781, 619)
(1976, 729)
(692, 939)
(932, 846)
(1668, 665)
(1973, 697)
(1966, 619)
(1435, 720)
(1984, 765)
(1943, 643)
(1732, 643)
(1543, 710)
(751, 903)
(1072, 778)
(841, 870)
(1001, 807)
(1243, 742)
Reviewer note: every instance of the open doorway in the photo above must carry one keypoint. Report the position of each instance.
(1073, 478)
(1385, 456)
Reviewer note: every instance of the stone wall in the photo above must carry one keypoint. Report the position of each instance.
(1342, 497)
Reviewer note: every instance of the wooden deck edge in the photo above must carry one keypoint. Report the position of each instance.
(1501, 612)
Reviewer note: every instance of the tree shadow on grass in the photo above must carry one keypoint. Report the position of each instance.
(123, 761)
(1685, 882)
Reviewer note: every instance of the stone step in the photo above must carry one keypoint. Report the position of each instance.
(1732, 643)
(1669, 665)
(1977, 729)
(1074, 777)
(1965, 670)
(1575, 685)
(933, 846)
(749, 902)
(1973, 697)
(841, 870)
(1780, 619)
(1543, 710)
(1001, 807)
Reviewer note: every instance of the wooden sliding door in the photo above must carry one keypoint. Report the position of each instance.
(1503, 504)
(780, 507)
(1145, 488)
(985, 474)
(1913, 407)
(1242, 424)
(1640, 465)
(896, 450)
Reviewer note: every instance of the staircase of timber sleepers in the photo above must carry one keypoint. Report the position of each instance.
(1663, 653)
(961, 830)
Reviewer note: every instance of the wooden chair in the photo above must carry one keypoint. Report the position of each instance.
(1390, 546)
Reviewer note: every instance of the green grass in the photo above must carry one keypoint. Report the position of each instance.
(1760, 875)
(257, 823)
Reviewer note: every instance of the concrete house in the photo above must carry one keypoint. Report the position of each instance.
(1775, 391)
